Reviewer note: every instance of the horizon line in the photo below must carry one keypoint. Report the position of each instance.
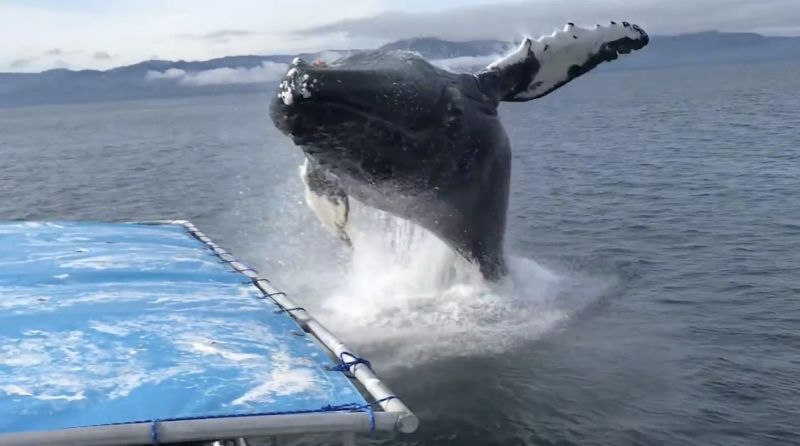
(287, 54)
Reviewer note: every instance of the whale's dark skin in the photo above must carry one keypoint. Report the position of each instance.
(428, 147)
(414, 140)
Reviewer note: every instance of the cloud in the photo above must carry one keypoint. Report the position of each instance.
(204, 29)
(170, 74)
(221, 36)
(132, 30)
(31, 61)
(22, 62)
(101, 55)
(267, 71)
(45, 57)
(271, 71)
(61, 64)
(512, 19)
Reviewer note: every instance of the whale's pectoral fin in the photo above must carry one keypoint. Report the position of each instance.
(326, 198)
(540, 66)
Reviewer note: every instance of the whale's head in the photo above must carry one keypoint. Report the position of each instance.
(417, 113)
(377, 115)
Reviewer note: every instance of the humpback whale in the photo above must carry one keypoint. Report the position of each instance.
(396, 133)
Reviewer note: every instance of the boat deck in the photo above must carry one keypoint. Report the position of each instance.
(151, 333)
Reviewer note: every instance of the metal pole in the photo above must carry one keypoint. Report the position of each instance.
(407, 422)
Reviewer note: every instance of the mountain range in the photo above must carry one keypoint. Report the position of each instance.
(258, 73)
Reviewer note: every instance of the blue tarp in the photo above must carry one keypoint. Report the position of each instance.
(118, 323)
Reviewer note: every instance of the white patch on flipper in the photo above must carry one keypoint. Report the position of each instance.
(332, 215)
(561, 50)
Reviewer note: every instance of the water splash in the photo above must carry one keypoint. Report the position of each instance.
(402, 296)
(407, 297)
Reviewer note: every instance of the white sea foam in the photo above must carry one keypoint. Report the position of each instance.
(403, 296)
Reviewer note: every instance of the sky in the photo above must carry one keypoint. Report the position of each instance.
(101, 34)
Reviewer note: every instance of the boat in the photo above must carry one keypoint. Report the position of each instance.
(151, 333)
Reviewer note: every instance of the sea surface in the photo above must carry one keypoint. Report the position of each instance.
(654, 235)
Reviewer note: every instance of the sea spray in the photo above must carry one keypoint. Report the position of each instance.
(409, 297)
(402, 296)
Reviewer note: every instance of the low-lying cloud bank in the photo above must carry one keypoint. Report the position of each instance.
(272, 71)
(266, 72)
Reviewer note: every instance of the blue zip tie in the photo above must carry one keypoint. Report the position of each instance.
(344, 365)
(371, 415)
(154, 432)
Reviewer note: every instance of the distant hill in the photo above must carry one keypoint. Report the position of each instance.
(711, 47)
(257, 73)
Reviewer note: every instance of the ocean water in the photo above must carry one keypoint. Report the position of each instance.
(654, 235)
